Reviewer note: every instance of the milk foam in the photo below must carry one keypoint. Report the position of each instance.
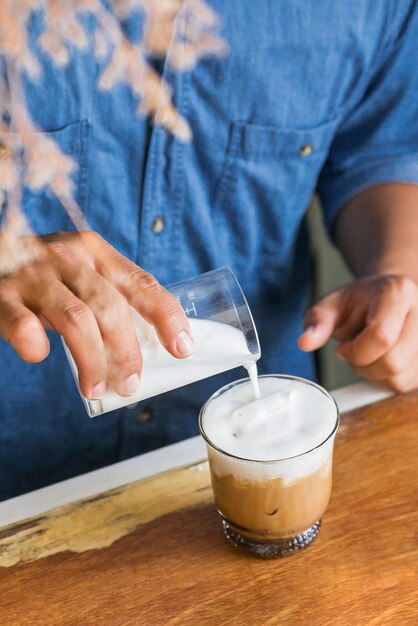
(290, 419)
(218, 348)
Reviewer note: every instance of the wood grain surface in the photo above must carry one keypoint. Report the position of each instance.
(169, 565)
(98, 521)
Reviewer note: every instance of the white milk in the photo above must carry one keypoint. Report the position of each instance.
(251, 367)
(289, 419)
(218, 348)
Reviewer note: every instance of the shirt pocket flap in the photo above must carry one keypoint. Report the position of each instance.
(44, 210)
(258, 142)
(71, 139)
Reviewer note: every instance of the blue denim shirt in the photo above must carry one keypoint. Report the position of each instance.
(339, 77)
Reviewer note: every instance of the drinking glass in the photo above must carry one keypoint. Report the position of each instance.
(273, 508)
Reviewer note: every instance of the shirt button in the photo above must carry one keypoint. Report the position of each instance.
(5, 152)
(146, 415)
(306, 150)
(158, 225)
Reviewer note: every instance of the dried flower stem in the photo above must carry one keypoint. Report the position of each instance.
(183, 31)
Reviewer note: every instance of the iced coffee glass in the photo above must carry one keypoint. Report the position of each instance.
(273, 507)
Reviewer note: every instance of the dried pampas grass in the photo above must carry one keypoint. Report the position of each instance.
(182, 31)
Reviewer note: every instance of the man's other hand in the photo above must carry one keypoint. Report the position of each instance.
(375, 319)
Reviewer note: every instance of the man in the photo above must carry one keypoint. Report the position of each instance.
(312, 96)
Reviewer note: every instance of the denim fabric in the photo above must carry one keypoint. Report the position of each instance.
(338, 76)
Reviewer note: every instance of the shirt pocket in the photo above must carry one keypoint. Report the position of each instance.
(43, 210)
(268, 177)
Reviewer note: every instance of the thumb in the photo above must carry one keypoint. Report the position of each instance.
(320, 322)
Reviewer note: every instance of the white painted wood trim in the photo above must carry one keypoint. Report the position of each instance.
(358, 395)
(188, 452)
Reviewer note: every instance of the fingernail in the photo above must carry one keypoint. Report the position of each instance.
(131, 385)
(309, 329)
(99, 390)
(184, 343)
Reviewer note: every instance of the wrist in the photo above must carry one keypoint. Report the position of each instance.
(403, 265)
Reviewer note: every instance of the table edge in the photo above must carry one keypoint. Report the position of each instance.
(181, 454)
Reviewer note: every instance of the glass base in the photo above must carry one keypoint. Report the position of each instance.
(280, 548)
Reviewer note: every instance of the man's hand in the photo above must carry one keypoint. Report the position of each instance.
(82, 287)
(376, 321)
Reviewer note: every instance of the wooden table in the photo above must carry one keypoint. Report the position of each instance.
(152, 553)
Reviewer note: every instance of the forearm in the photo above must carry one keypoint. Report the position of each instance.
(377, 231)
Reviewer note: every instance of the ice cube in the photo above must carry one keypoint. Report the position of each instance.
(254, 413)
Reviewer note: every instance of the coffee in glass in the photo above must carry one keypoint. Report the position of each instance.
(271, 461)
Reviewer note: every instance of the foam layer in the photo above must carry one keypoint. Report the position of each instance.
(290, 419)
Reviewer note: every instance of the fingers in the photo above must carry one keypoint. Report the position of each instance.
(398, 367)
(404, 382)
(41, 291)
(82, 287)
(321, 321)
(75, 321)
(114, 319)
(22, 329)
(160, 308)
(154, 303)
(377, 321)
(384, 323)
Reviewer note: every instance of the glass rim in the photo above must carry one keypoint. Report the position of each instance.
(237, 285)
(231, 278)
(270, 461)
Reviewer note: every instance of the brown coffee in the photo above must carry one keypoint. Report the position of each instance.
(272, 509)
